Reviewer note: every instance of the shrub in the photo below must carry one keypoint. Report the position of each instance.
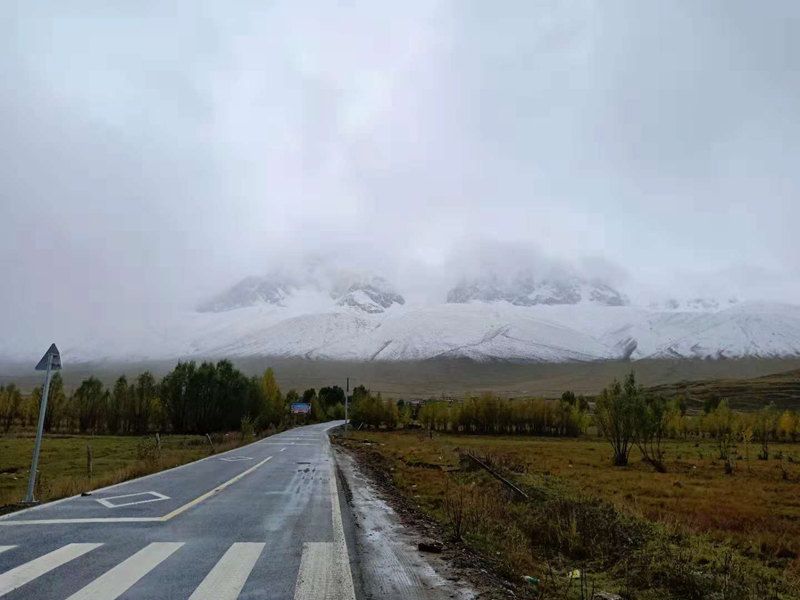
(616, 416)
(247, 428)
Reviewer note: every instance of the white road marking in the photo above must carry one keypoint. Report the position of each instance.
(325, 566)
(154, 497)
(4, 548)
(162, 519)
(19, 576)
(318, 577)
(216, 490)
(289, 444)
(227, 578)
(115, 582)
(236, 458)
(282, 449)
(84, 520)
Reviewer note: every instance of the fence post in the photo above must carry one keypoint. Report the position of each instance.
(210, 443)
(89, 462)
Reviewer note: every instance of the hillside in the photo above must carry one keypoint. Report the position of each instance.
(783, 389)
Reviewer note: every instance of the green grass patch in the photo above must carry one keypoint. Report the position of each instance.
(63, 469)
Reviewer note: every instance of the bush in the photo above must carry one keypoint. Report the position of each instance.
(147, 450)
(247, 428)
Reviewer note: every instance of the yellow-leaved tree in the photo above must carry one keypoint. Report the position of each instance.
(272, 409)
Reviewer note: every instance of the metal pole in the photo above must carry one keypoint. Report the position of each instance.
(29, 499)
(346, 402)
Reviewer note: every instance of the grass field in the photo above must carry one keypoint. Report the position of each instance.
(675, 534)
(63, 462)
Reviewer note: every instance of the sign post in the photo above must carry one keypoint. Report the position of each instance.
(51, 361)
(346, 393)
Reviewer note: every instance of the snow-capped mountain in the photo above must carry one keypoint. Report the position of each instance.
(370, 294)
(502, 330)
(364, 318)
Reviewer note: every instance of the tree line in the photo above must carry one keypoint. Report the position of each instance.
(492, 414)
(629, 416)
(191, 398)
(213, 397)
(484, 414)
(625, 413)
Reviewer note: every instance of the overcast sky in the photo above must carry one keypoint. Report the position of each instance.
(153, 152)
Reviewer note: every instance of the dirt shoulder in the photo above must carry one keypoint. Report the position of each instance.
(390, 528)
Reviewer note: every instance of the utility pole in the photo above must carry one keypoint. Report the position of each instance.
(51, 361)
(346, 403)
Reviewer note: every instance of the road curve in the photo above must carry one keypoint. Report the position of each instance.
(259, 522)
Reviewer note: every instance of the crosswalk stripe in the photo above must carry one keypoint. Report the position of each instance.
(19, 576)
(320, 576)
(324, 572)
(227, 578)
(112, 584)
(4, 548)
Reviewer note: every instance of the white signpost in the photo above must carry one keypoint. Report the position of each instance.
(51, 361)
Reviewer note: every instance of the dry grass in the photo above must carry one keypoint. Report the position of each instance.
(745, 523)
(63, 462)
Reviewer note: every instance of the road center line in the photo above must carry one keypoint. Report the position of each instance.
(162, 519)
(208, 494)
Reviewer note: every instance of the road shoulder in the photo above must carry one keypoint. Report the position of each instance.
(387, 560)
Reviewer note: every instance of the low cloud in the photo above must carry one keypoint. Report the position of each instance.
(151, 157)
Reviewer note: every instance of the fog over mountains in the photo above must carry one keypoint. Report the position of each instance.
(164, 175)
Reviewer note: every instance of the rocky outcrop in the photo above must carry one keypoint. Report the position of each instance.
(527, 291)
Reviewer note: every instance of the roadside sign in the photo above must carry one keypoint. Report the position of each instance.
(301, 408)
(50, 361)
(53, 357)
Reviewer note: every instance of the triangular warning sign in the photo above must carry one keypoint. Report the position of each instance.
(55, 364)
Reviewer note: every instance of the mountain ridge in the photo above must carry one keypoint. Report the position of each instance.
(364, 318)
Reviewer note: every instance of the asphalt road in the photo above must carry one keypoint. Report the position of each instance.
(261, 521)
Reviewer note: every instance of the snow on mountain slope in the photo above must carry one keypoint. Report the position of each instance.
(752, 330)
(307, 336)
(364, 319)
(480, 331)
(483, 332)
(747, 329)
(525, 290)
